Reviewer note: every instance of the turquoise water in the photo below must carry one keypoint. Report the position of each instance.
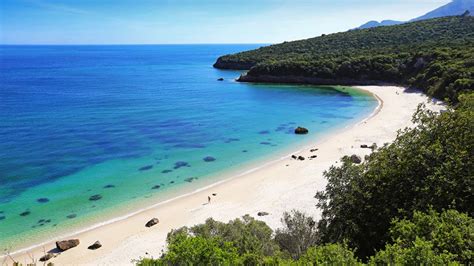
(90, 131)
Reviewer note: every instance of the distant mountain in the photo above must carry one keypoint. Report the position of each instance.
(373, 24)
(455, 8)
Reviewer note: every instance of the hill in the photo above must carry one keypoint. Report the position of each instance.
(435, 55)
(454, 8)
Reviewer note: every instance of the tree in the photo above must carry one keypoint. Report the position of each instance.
(298, 234)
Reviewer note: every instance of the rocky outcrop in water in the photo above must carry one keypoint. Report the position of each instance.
(301, 131)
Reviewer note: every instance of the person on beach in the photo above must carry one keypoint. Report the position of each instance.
(208, 200)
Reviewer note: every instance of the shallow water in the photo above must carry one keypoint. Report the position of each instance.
(86, 130)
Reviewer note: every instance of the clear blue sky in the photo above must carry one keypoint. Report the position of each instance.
(191, 21)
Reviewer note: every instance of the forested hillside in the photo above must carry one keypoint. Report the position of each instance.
(434, 55)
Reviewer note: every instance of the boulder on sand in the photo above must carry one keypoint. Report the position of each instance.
(301, 131)
(96, 245)
(67, 244)
(356, 159)
(152, 222)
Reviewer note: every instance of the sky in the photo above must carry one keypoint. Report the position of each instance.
(191, 21)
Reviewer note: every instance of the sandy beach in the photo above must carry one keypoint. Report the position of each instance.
(279, 186)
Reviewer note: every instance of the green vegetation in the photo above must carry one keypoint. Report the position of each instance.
(429, 238)
(408, 203)
(434, 55)
(429, 166)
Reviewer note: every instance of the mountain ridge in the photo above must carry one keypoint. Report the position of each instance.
(454, 8)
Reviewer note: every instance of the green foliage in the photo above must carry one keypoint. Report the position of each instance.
(429, 166)
(419, 253)
(426, 239)
(197, 251)
(449, 232)
(331, 254)
(298, 234)
(435, 55)
(247, 235)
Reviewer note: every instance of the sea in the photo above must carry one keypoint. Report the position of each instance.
(91, 133)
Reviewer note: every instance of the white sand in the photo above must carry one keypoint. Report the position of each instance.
(274, 188)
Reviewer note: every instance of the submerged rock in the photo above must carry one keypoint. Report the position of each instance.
(209, 159)
(2, 217)
(189, 179)
(67, 244)
(156, 187)
(42, 200)
(25, 213)
(109, 186)
(71, 216)
(166, 171)
(152, 222)
(220, 79)
(146, 167)
(95, 246)
(229, 140)
(264, 132)
(180, 164)
(301, 131)
(95, 197)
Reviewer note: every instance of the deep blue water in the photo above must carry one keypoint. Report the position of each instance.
(127, 122)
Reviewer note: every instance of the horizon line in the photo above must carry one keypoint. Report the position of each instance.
(123, 44)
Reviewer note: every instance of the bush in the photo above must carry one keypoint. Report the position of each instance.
(429, 166)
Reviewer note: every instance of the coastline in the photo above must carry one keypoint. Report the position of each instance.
(255, 190)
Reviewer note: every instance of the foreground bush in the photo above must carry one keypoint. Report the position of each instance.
(429, 166)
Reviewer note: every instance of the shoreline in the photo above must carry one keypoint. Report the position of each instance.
(152, 239)
(204, 183)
